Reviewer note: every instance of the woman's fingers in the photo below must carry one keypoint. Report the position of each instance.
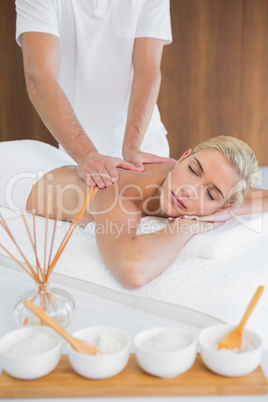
(196, 218)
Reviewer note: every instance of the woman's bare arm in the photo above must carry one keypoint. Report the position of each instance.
(256, 201)
(136, 260)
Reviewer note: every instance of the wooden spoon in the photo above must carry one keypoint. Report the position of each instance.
(77, 344)
(233, 340)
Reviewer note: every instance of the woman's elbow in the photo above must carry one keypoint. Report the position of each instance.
(132, 275)
(131, 281)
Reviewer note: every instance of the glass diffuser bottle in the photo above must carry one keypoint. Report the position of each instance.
(56, 303)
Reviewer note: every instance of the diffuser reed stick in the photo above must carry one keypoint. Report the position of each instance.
(55, 304)
(38, 273)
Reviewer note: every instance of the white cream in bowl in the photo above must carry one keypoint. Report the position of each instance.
(106, 343)
(32, 344)
(165, 341)
(230, 362)
(113, 346)
(30, 353)
(165, 351)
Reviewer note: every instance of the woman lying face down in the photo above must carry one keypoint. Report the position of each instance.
(201, 183)
(218, 173)
(206, 182)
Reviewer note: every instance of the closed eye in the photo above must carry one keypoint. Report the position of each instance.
(210, 196)
(192, 170)
(209, 193)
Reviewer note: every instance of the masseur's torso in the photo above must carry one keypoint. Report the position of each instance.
(96, 41)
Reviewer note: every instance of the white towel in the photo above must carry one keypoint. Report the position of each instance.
(211, 245)
(22, 164)
(214, 244)
(231, 235)
(220, 288)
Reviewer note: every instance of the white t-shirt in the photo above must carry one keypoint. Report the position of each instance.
(96, 44)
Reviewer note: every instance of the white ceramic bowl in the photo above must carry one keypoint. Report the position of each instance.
(165, 351)
(30, 366)
(228, 362)
(107, 363)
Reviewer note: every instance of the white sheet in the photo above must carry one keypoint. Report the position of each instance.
(220, 288)
(22, 164)
(215, 244)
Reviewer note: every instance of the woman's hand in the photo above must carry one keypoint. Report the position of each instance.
(195, 226)
(223, 215)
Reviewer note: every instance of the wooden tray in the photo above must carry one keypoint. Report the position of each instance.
(132, 381)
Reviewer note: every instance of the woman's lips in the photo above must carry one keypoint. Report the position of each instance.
(177, 201)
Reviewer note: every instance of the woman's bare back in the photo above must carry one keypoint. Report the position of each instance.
(63, 191)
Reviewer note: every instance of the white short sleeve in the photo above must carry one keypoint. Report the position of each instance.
(36, 16)
(154, 20)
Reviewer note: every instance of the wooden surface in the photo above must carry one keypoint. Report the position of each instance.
(132, 381)
(18, 118)
(254, 120)
(214, 76)
(200, 94)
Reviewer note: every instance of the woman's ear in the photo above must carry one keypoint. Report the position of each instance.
(187, 153)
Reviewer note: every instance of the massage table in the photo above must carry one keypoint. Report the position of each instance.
(211, 281)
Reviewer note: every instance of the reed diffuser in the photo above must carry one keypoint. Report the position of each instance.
(56, 303)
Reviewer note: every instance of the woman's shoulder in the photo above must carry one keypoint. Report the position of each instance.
(158, 168)
(153, 173)
(137, 185)
(150, 169)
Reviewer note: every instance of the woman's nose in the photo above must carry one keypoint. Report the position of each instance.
(189, 191)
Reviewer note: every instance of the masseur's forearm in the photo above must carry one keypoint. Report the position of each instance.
(144, 93)
(41, 60)
(57, 114)
(147, 55)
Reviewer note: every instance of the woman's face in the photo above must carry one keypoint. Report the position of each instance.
(200, 184)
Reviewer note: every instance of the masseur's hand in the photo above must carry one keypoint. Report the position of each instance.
(100, 170)
(138, 158)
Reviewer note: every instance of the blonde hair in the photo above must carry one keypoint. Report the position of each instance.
(241, 157)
